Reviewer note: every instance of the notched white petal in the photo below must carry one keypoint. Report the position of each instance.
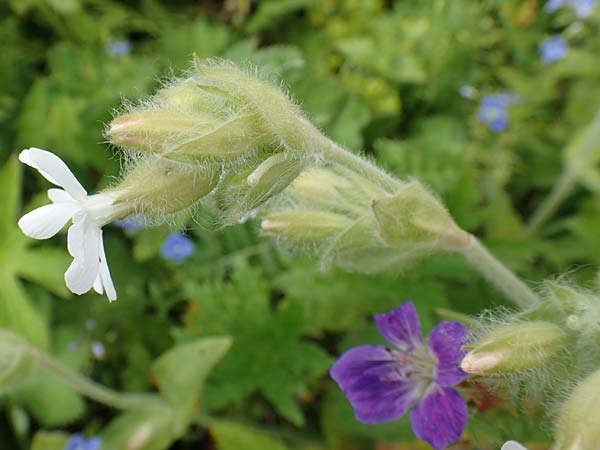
(98, 283)
(45, 222)
(54, 170)
(84, 269)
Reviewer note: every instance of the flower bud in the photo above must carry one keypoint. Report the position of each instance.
(414, 215)
(344, 192)
(276, 112)
(186, 96)
(158, 186)
(515, 347)
(16, 361)
(305, 227)
(577, 427)
(359, 249)
(244, 191)
(187, 136)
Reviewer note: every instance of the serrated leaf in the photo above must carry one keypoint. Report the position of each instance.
(268, 354)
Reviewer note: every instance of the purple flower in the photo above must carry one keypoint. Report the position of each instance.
(553, 49)
(177, 248)
(493, 111)
(382, 383)
(131, 223)
(79, 442)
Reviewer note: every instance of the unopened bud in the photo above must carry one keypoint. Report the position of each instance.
(16, 361)
(303, 227)
(158, 186)
(515, 347)
(187, 96)
(187, 136)
(276, 112)
(243, 192)
(577, 427)
(414, 215)
(320, 188)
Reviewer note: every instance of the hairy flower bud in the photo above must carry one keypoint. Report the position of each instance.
(577, 427)
(187, 136)
(414, 215)
(305, 227)
(276, 112)
(16, 361)
(159, 186)
(328, 190)
(515, 347)
(245, 190)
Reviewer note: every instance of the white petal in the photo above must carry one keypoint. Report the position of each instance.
(54, 170)
(98, 284)
(75, 238)
(45, 222)
(60, 196)
(512, 445)
(84, 244)
(107, 282)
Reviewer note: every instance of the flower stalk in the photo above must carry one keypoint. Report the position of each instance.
(498, 274)
(91, 389)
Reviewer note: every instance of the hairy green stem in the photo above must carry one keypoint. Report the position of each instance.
(479, 257)
(339, 155)
(498, 274)
(91, 389)
(561, 190)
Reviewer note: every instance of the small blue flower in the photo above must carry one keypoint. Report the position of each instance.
(553, 49)
(554, 5)
(493, 111)
(177, 247)
(383, 382)
(582, 8)
(118, 48)
(131, 223)
(79, 442)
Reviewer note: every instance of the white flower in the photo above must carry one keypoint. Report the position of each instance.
(89, 213)
(512, 445)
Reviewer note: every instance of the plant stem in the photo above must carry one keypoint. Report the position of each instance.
(91, 389)
(560, 191)
(498, 274)
(337, 154)
(481, 259)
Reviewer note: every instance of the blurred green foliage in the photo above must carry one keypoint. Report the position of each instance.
(379, 76)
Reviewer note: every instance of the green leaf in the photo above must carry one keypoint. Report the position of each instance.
(268, 354)
(234, 436)
(51, 401)
(181, 371)
(153, 428)
(50, 440)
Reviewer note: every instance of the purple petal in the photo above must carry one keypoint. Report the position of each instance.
(440, 418)
(445, 342)
(401, 327)
(374, 383)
